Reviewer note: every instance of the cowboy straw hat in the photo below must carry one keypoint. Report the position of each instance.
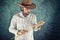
(27, 4)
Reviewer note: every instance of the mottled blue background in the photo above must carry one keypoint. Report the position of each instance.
(47, 10)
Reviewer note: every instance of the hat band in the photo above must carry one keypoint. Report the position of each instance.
(26, 4)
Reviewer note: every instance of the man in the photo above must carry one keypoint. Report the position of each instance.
(23, 23)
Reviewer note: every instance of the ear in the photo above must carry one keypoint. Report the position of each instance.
(21, 7)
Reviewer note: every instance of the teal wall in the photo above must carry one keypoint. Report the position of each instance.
(45, 10)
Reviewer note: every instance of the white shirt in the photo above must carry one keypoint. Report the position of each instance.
(19, 22)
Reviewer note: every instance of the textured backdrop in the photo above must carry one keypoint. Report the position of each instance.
(47, 10)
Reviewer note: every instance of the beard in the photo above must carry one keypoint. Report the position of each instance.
(26, 14)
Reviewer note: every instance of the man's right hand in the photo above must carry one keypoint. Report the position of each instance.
(22, 32)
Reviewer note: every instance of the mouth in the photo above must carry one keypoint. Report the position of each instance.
(27, 13)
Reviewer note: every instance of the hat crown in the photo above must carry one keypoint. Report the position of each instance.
(27, 4)
(27, 1)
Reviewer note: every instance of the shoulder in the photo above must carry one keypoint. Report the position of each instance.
(32, 14)
(15, 16)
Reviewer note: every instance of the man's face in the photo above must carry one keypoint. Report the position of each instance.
(25, 10)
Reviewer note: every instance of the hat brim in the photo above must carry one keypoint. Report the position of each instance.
(32, 6)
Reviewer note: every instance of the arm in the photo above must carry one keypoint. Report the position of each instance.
(13, 26)
(38, 25)
(35, 26)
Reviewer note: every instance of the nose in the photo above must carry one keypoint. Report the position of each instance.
(29, 10)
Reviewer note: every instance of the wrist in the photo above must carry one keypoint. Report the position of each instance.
(19, 33)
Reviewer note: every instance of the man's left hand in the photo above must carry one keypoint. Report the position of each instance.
(37, 26)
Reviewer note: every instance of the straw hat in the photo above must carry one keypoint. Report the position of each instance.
(27, 4)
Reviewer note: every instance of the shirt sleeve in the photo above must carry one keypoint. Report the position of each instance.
(35, 22)
(13, 26)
